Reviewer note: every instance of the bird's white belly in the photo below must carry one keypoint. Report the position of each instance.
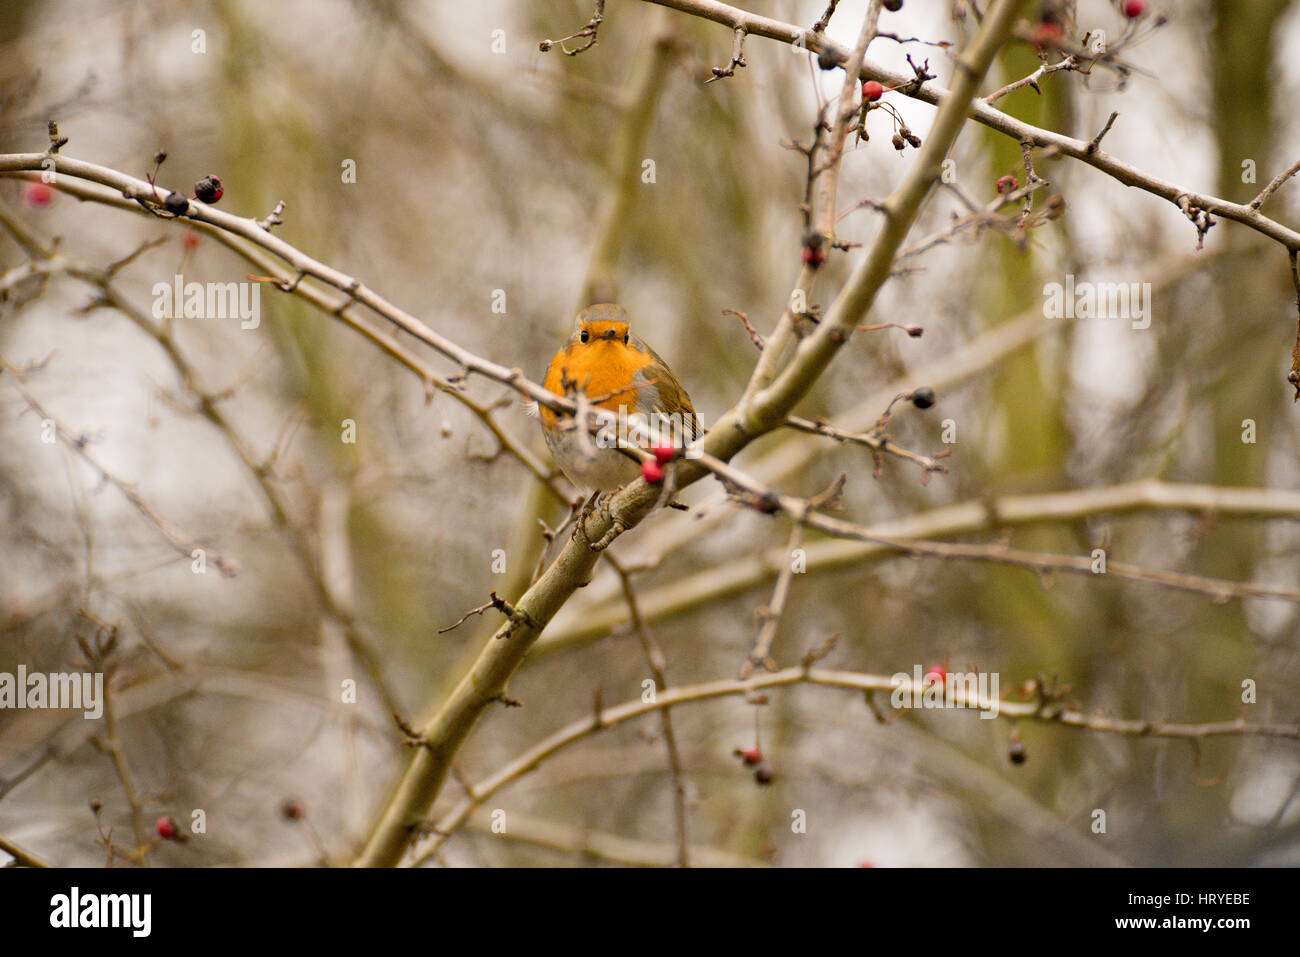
(596, 468)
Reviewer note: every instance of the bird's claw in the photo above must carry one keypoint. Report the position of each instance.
(616, 526)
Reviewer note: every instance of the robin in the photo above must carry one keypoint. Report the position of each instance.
(618, 372)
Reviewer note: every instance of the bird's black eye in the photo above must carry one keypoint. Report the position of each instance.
(584, 335)
(626, 337)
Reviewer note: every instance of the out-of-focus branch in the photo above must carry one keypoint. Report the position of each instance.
(655, 659)
(111, 744)
(58, 735)
(603, 846)
(1294, 375)
(210, 407)
(768, 499)
(984, 217)
(596, 620)
(878, 443)
(1048, 712)
(23, 857)
(770, 614)
(79, 444)
(628, 147)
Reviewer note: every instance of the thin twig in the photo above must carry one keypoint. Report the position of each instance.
(1032, 79)
(655, 658)
(737, 57)
(79, 444)
(1273, 187)
(590, 33)
(768, 500)
(770, 614)
(1095, 143)
(754, 336)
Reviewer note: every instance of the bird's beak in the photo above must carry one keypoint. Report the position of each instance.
(610, 334)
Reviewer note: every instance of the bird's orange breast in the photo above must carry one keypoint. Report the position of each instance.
(604, 370)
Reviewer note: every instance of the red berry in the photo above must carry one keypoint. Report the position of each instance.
(937, 673)
(40, 195)
(813, 257)
(751, 756)
(664, 453)
(1134, 8)
(168, 829)
(652, 472)
(893, 6)
(763, 774)
(872, 91)
(1007, 184)
(1047, 33)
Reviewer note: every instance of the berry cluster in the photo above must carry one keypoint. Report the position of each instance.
(652, 470)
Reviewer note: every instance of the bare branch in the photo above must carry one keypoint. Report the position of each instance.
(737, 57)
(590, 33)
(23, 857)
(1273, 186)
(79, 444)
(655, 658)
(1067, 716)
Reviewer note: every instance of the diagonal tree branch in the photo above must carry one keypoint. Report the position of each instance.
(22, 857)
(766, 410)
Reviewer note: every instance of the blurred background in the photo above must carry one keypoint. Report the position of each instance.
(497, 190)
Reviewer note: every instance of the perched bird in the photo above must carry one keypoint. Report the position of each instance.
(618, 372)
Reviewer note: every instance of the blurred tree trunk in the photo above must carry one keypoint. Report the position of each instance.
(1028, 397)
(1248, 377)
(1245, 378)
